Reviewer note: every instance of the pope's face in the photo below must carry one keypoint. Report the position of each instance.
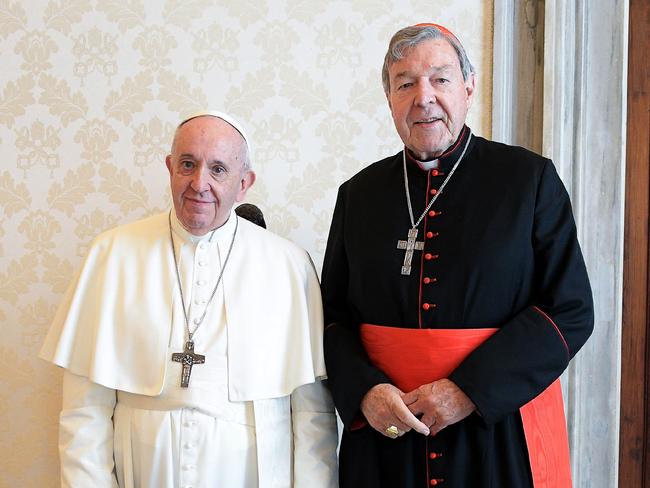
(428, 98)
(206, 173)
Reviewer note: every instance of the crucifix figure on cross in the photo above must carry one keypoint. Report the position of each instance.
(187, 358)
(410, 245)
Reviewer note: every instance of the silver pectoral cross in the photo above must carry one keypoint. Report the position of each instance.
(187, 358)
(410, 245)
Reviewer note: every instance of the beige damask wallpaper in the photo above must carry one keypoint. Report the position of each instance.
(90, 92)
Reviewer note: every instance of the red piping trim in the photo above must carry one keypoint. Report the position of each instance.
(455, 146)
(557, 329)
(426, 199)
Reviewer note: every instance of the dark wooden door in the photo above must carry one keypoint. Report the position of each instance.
(634, 461)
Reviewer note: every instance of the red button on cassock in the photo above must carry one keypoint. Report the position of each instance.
(428, 280)
(429, 235)
(434, 172)
(427, 306)
(428, 256)
(432, 213)
(435, 455)
(433, 191)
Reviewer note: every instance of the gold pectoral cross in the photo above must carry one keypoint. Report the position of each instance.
(410, 245)
(187, 358)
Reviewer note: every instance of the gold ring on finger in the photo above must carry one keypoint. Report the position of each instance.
(392, 432)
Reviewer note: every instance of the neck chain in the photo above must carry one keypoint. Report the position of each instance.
(190, 334)
(440, 190)
(412, 244)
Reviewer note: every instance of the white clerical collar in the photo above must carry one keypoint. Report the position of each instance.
(424, 165)
(427, 165)
(219, 235)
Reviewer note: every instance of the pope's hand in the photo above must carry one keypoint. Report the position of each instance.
(383, 407)
(440, 404)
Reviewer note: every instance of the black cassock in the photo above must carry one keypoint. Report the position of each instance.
(500, 250)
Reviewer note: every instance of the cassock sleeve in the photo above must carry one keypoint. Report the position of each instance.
(533, 348)
(86, 434)
(344, 352)
(314, 437)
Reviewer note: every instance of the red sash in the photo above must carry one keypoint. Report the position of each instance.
(413, 357)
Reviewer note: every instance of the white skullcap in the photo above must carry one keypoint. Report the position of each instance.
(226, 118)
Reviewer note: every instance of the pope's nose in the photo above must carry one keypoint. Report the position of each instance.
(200, 180)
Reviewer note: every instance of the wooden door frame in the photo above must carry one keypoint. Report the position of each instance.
(634, 460)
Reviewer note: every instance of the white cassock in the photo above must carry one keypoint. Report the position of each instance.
(255, 413)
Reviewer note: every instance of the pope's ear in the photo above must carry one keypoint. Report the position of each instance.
(247, 180)
(168, 163)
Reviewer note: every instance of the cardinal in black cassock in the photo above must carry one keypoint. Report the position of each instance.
(455, 292)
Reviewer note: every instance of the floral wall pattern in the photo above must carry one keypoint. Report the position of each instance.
(90, 93)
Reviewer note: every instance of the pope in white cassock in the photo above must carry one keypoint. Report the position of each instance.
(192, 341)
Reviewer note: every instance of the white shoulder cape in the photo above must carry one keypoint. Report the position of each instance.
(114, 324)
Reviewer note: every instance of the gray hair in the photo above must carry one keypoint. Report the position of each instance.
(409, 37)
